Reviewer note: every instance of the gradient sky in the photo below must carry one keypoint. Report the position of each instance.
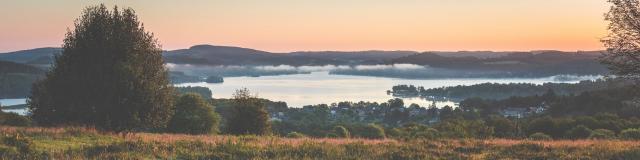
(297, 25)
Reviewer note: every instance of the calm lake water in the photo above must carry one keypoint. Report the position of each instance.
(9, 102)
(321, 87)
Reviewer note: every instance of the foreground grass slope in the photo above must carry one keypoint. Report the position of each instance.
(81, 143)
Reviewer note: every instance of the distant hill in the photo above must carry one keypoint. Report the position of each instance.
(16, 79)
(40, 57)
(534, 62)
(356, 57)
(539, 63)
(7, 67)
(224, 55)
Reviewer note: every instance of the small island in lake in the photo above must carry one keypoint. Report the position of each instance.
(214, 79)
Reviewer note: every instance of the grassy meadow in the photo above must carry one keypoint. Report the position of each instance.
(83, 143)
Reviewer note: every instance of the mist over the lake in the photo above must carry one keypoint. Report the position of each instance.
(410, 71)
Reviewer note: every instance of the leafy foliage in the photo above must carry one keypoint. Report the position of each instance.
(602, 134)
(623, 56)
(110, 75)
(579, 132)
(631, 134)
(372, 131)
(249, 115)
(194, 115)
(204, 92)
(497, 91)
(540, 137)
(13, 119)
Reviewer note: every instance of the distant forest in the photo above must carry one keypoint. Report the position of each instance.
(503, 91)
(16, 79)
(439, 64)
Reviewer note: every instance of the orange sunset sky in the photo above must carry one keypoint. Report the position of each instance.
(299, 25)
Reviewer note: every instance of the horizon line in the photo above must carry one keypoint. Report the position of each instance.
(362, 50)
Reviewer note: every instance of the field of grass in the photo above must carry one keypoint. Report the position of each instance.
(82, 143)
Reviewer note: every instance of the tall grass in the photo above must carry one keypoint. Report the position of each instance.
(87, 143)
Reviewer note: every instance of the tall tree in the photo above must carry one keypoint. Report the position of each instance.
(249, 115)
(110, 75)
(623, 41)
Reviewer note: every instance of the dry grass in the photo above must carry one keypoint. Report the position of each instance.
(89, 143)
(565, 143)
(265, 140)
(255, 140)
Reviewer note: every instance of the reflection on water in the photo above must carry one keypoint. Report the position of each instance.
(321, 87)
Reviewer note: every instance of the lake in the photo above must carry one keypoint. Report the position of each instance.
(10, 102)
(298, 90)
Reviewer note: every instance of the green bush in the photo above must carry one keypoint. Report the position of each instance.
(602, 134)
(540, 137)
(373, 131)
(630, 134)
(248, 115)
(579, 132)
(341, 132)
(295, 135)
(429, 133)
(13, 119)
(194, 115)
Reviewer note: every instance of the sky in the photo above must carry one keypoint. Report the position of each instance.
(344, 25)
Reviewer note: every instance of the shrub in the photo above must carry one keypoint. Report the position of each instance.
(630, 134)
(373, 131)
(540, 137)
(579, 132)
(429, 133)
(194, 116)
(13, 119)
(602, 134)
(249, 115)
(341, 132)
(295, 135)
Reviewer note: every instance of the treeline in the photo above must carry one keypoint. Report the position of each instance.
(111, 76)
(610, 113)
(503, 91)
(519, 64)
(475, 118)
(16, 79)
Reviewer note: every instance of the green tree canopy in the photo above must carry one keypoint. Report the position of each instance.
(194, 115)
(373, 131)
(249, 115)
(110, 75)
(579, 132)
(623, 41)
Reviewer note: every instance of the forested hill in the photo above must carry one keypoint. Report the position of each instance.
(225, 55)
(16, 79)
(519, 63)
(41, 57)
(498, 91)
(7, 67)
(534, 61)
